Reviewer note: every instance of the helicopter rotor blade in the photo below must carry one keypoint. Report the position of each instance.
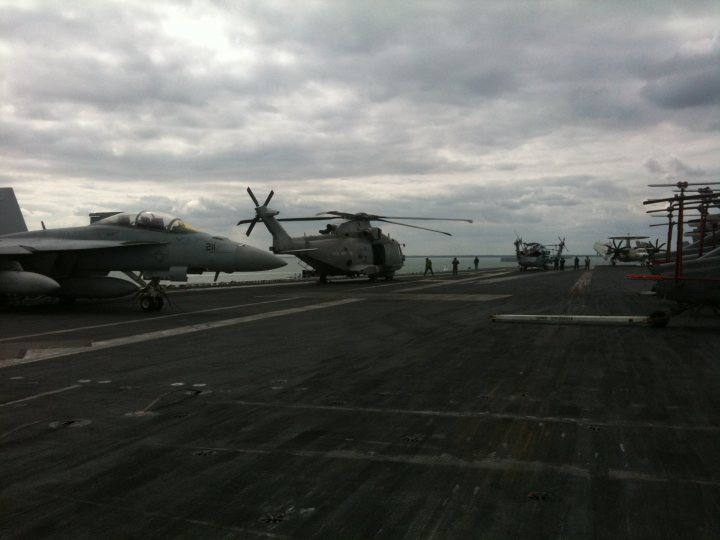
(251, 227)
(270, 196)
(319, 218)
(343, 215)
(252, 196)
(374, 217)
(426, 218)
(413, 226)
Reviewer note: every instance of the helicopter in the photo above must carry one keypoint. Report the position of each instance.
(622, 251)
(351, 248)
(535, 255)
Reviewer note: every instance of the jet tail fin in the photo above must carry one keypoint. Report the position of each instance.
(11, 218)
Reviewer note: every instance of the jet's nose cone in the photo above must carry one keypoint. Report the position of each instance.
(250, 259)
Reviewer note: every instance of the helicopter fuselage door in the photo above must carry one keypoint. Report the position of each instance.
(378, 254)
(387, 253)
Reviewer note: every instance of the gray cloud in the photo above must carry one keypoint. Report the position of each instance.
(674, 169)
(684, 83)
(514, 114)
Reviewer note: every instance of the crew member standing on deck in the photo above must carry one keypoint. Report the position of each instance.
(587, 262)
(577, 263)
(455, 264)
(476, 261)
(428, 267)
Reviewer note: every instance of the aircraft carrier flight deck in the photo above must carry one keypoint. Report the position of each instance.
(359, 410)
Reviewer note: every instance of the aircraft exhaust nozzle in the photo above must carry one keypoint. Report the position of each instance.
(251, 259)
(26, 283)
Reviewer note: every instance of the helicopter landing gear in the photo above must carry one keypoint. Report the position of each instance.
(388, 276)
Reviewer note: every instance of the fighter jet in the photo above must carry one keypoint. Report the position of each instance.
(74, 262)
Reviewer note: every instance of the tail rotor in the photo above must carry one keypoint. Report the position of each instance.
(257, 217)
(561, 246)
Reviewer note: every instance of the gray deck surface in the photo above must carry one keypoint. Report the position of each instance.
(358, 411)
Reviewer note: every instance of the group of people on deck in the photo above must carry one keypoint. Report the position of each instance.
(558, 262)
(455, 263)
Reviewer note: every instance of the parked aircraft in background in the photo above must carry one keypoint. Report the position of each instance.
(620, 249)
(535, 255)
(690, 274)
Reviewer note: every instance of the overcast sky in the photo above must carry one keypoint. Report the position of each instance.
(545, 118)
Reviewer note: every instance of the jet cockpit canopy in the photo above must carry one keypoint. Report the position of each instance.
(149, 220)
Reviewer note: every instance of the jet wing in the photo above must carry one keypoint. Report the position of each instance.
(29, 246)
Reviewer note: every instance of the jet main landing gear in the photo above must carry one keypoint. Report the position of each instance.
(152, 297)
